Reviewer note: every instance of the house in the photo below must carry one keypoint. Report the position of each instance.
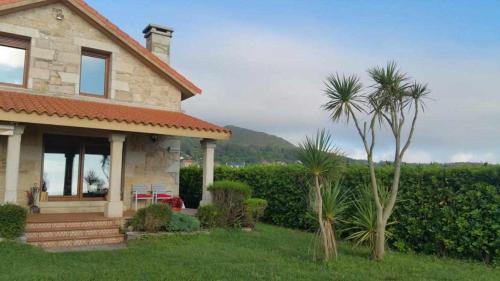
(187, 162)
(86, 111)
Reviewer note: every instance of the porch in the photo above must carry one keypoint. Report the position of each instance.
(59, 152)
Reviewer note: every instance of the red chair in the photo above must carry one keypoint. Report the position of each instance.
(141, 192)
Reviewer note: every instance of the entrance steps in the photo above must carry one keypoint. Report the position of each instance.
(73, 230)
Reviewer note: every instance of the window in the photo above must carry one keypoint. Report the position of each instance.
(75, 167)
(14, 51)
(94, 73)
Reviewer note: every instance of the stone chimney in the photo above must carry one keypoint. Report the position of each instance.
(158, 40)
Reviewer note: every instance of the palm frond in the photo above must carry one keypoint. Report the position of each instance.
(417, 94)
(344, 96)
(362, 226)
(390, 87)
(318, 154)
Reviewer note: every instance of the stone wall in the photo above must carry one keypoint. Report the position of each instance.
(150, 162)
(56, 52)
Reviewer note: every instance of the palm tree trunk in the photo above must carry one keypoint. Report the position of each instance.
(334, 242)
(379, 247)
(319, 205)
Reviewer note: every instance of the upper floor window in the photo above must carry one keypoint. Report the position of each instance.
(14, 52)
(94, 74)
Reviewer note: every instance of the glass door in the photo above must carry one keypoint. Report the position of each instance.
(95, 170)
(75, 168)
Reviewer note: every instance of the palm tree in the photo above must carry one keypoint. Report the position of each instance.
(335, 202)
(362, 224)
(391, 98)
(319, 156)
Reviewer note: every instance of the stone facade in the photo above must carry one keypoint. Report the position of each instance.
(55, 56)
(150, 162)
(145, 162)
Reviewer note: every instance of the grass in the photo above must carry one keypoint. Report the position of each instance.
(269, 253)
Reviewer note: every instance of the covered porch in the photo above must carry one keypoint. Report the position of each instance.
(141, 146)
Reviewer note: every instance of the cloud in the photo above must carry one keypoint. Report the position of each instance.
(473, 157)
(11, 57)
(273, 81)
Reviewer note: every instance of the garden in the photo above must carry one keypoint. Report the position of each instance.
(321, 219)
(268, 253)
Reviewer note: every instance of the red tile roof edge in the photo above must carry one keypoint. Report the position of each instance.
(183, 81)
(91, 110)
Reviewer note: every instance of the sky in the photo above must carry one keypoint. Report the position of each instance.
(262, 65)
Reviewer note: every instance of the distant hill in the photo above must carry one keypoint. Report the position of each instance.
(246, 137)
(245, 147)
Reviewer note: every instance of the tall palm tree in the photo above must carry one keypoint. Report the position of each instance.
(390, 99)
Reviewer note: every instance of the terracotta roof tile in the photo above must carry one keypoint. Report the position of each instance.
(72, 108)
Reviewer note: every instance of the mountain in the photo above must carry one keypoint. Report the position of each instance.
(246, 137)
(245, 147)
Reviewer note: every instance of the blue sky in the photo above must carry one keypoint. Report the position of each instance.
(265, 62)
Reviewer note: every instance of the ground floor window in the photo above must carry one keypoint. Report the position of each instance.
(75, 167)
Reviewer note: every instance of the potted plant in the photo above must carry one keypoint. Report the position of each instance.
(34, 198)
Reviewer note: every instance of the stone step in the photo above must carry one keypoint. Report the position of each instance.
(70, 232)
(31, 226)
(91, 240)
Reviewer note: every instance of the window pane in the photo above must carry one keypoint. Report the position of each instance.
(60, 173)
(93, 75)
(12, 65)
(96, 170)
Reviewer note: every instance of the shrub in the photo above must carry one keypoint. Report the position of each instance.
(190, 190)
(12, 220)
(229, 197)
(152, 218)
(230, 189)
(209, 215)
(182, 222)
(254, 210)
(284, 187)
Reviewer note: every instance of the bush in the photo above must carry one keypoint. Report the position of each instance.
(254, 210)
(284, 187)
(12, 220)
(152, 218)
(209, 215)
(190, 189)
(182, 222)
(229, 197)
(226, 190)
(445, 210)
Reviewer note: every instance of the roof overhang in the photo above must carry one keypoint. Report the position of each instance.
(188, 89)
(23, 117)
(33, 108)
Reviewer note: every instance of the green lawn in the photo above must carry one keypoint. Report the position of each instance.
(270, 253)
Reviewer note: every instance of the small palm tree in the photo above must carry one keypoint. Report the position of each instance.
(335, 202)
(362, 225)
(320, 157)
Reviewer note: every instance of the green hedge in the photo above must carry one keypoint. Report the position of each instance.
(445, 210)
(282, 186)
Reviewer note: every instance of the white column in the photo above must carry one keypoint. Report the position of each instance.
(208, 147)
(12, 163)
(114, 209)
